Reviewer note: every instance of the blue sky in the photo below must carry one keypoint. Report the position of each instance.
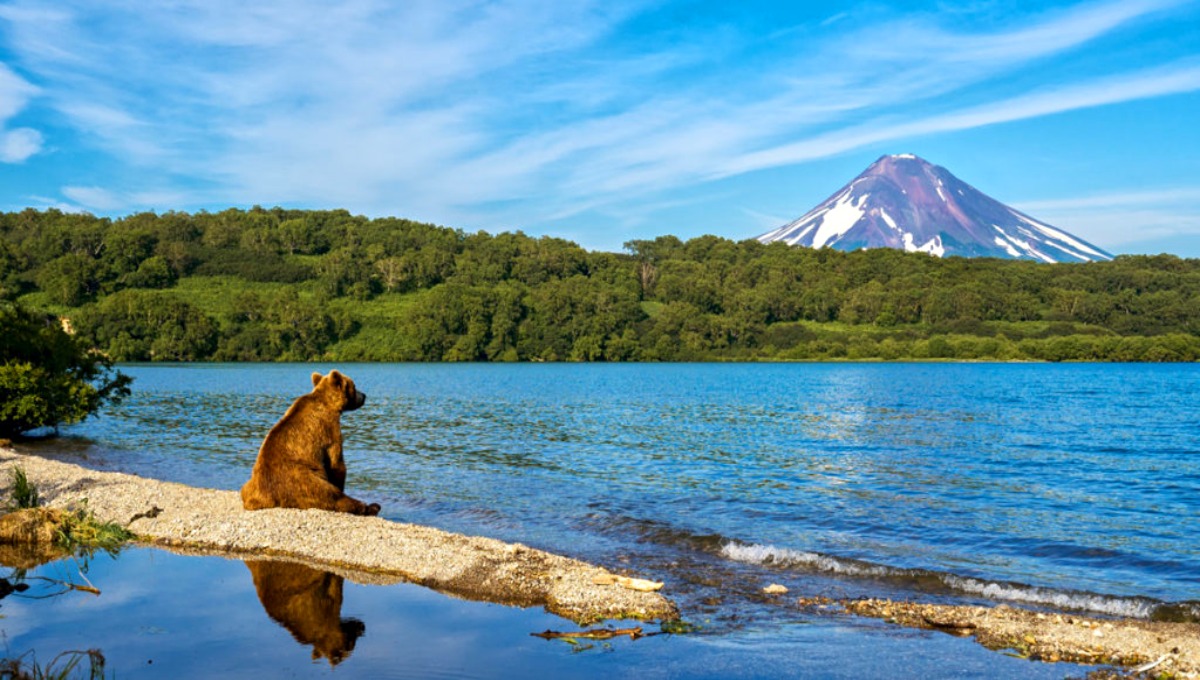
(603, 121)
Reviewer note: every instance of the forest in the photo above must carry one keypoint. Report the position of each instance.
(306, 285)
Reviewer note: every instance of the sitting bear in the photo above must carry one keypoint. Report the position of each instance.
(300, 462)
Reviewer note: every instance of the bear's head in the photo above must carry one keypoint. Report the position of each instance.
(339, 389)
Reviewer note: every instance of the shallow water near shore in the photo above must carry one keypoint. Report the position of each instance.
(165, 615)
(1049, 485)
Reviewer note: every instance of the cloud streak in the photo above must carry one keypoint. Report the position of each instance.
(1124, 88)
(19, 143)
(1126, 220)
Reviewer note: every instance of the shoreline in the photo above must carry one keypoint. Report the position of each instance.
(373, 550)
(213, 521)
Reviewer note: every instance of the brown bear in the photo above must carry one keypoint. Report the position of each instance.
(308, 603)
(300, 462)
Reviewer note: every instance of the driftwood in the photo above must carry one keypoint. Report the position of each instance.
(67, 586)
(593, 634)
(639, 584)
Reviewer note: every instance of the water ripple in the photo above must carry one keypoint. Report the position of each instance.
(1065, 477)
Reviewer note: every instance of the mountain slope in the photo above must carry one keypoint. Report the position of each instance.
(907, 203)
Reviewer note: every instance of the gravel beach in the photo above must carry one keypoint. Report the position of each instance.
(179, 516)
(1148, 649)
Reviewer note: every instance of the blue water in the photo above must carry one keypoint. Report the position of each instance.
(1063, 485)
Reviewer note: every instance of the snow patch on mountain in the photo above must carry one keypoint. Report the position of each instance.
(887, 218)
(1013, 252)
(933, 246)
(839, 219)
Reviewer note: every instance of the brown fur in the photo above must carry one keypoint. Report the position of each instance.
(300, 463)
(308, 603)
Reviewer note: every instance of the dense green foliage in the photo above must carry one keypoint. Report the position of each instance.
(47, 376)
(305, 285)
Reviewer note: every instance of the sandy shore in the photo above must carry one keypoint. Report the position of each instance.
(466, 566)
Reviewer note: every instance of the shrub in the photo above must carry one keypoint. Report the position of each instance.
(48, 377)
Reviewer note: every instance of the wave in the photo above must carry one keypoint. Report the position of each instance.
(926, 579)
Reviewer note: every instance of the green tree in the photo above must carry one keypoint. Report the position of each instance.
(47, 376)
(137, 325)
(70, 280)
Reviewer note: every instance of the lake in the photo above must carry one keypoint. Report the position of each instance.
(1066, 485)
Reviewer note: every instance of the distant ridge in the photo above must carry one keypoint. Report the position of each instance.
(907, 203)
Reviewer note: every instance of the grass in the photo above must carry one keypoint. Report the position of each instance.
(217, 295)
(65, 665)
(41, 300)
(652, 308)
(377, 338)
(24, 493)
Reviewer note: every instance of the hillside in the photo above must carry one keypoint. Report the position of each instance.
(265, 285)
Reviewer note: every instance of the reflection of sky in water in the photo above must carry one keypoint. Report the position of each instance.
(1012, 472)
(164, 615)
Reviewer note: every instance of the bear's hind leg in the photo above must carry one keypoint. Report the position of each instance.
(322, 494)
(355, 506)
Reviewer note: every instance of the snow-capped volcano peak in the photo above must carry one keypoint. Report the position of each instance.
(907, 203)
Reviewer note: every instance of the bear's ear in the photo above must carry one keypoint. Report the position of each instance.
(336, 378)
(316, 379)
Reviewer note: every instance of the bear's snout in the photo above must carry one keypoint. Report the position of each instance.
(357, 402)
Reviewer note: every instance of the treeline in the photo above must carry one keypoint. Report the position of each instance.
(275, 284)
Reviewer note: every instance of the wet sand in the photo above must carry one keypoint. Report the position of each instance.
(179, 516)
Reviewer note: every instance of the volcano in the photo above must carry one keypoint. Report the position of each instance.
(907, 203)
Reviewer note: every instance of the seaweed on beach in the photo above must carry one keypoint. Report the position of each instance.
(81, 531)
(74, 530)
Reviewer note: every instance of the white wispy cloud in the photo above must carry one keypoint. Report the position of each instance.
(16, 144)
(1124, 219)
(94, 198)
(1144, 197)
(14, 93)
(19, 144)
(452, 110)
(1126, 87)
(47, 202)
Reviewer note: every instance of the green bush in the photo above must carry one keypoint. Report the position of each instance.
(47, 377)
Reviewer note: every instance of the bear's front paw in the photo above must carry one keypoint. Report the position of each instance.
(372, 509)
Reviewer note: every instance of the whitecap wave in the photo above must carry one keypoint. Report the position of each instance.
(1129, 607)
(786, 558)
(770, 555)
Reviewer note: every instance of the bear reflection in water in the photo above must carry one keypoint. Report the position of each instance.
(308, 603)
